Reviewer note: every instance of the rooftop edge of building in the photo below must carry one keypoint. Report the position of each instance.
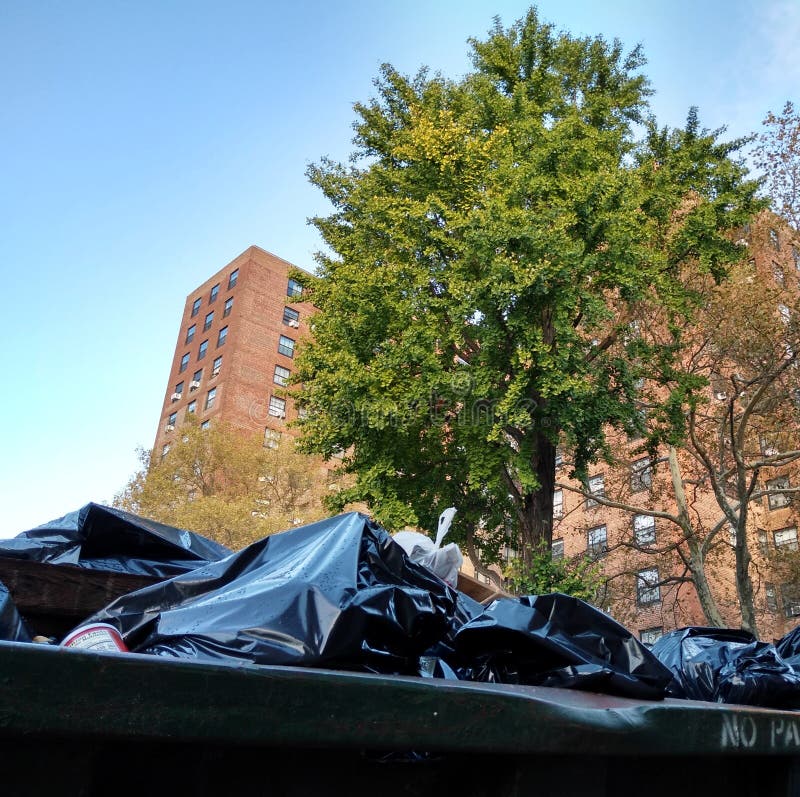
(243, 257)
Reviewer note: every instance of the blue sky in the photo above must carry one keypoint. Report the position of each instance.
(143, 145)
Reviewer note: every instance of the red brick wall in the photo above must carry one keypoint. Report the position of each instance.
(250, 352)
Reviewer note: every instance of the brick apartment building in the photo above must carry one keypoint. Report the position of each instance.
(235, 349)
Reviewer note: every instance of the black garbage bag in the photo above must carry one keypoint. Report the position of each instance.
(336, 593)
(103, 538)
(725, 665)
(340, 593)
(12, 626)
(789, 648)
(558, 640)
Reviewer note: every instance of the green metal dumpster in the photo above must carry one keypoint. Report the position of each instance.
(77, 723)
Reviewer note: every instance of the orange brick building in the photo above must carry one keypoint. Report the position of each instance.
(236, 343)
(648, 591)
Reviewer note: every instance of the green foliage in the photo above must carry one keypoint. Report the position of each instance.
(580, 577)
(489, 245)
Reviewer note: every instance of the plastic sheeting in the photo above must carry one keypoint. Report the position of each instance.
(789, 648)
(727, 666)
(558, 640)
(341, 593)
(12, 626)
(102, 538)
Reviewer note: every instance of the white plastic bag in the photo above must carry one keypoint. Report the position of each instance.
(445, 561)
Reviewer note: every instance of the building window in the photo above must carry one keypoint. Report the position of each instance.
(196, 307)
(647, 587)
(785, 539)
(596, 486)
(281, 376)
(777, 273)
(641, 475)
(196, 377)
(790, 595)
(205, 425)
(228, 307)
(294, 289)
(214, 294)
(164, 451)
(190, 333)
(210, 398)
(172, 419)
(209, 321)
(192, 406)
(201, 352)
(216, 366)
(272, 438)
(763, 542)
(291, 317)
(775, 498)
(233, 279)
(649, 636)
(223, 334)
(768, 445)
(277, 407)
(774, 239)
(558, 549)
(286, 346)
(559, 456)
(644, 529)
(597, 544)
(179, 388)
(771, 597)
(558, 504)
(184, 363)
(796, 257)
(785, 313)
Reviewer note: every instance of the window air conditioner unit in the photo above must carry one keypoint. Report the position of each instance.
(294, 324)
(720, 395)
(794, 610)
(169, 428)
(194, 386)
(175, 397)
(282, 415)
(215, 374)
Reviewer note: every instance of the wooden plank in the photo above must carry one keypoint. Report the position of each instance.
(54, 598)
(477, 590)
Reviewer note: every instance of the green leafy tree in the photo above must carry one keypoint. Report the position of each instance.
(223, 483)
(489, 247)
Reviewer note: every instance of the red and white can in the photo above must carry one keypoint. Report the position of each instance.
(96, 637)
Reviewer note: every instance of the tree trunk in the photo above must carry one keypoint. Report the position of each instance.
(472, 553)
(744, 586)
(536, 517)
(696, 563)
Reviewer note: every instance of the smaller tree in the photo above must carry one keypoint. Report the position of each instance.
(223, 483)
(777, 155)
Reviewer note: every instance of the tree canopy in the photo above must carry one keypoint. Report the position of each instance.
(491, 245)
(223, 483)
